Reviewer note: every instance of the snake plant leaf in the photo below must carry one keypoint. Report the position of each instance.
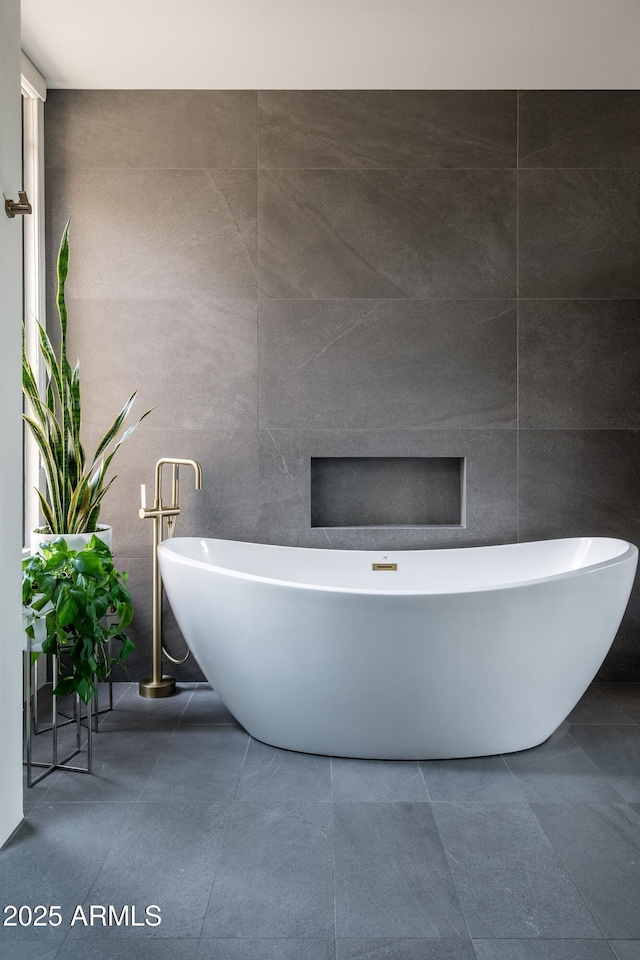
(63, 272)
(76, 416)
(41, 411)
(125, 436)
(51, 364)
(112, 432)
(49, 517)
(76, 484)
(96, 504)
(80, 502)
(50, 468)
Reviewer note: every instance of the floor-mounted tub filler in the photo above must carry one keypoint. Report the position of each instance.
(419, 654)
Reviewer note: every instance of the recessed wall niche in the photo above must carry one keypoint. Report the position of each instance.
(387, 491)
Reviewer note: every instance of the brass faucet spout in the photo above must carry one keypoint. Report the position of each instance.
(176, 462)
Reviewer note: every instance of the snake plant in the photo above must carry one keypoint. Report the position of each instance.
(76, 484)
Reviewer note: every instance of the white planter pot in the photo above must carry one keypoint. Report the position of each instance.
(75, 541)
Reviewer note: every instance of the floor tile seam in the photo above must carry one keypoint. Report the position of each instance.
(424, 780)
(152, 769)
(185, 724)
(88, 803)
(125, 684)
(514, 777)
(376, 800)
(333, 876)
(524, 799)
(193, 690)
(543, 939)
(610, 778)
(450, 873)
(601, 773)
(538, 760)
(118, 833)
(629, 722)
(618, 707)
(560, 860)
(236, 798)
(231, 804)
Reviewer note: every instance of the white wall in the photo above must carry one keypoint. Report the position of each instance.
(334, 44)
(10, 427)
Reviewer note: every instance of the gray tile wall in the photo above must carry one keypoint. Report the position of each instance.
(299, 274)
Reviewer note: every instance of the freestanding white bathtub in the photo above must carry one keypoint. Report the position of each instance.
(456, 653)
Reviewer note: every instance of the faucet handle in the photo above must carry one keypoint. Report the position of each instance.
(143, 496)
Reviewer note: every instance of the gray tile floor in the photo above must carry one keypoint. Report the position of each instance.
(254, 853)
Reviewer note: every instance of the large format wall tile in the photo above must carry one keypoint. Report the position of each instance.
(193, 360)
(156, 234)
(381, 363)
(415, 203)
(576, 483)
(285, 471)
(387, 128)
(226, 505)
(138, 664)
(579, 128)
(151, 128)
(576, 235)
(579, 363)
(387, 233)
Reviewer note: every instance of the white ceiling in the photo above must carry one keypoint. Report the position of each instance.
(334, 44)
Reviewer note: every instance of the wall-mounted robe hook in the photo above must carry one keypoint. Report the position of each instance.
(22, 207)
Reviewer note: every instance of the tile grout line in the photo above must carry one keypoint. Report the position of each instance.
(162, 750)
(604, 694)
(333, 860)
(424, 780)
(446, 858)
(560, 859)
(251, 168)
(517, 316)
(257, 431)
(394, 300)
(232, 804)
(68, 937)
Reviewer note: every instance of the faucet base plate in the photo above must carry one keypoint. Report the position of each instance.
(153, 691)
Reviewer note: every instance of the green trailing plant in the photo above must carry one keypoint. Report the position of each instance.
(76, 485)
(85, 607)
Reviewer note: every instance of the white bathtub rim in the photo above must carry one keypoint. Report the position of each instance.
(629, 553)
